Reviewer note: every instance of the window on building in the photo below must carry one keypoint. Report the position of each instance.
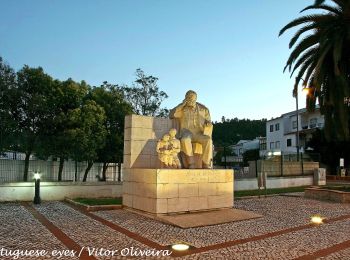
(289, 142)
(272, 145)
(277, 145)
(277, 127)
(240, 152)
(263, 144)
(294, 124)
(271, 128)
(313, 122)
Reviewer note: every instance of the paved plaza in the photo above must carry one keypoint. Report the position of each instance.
(284, 232)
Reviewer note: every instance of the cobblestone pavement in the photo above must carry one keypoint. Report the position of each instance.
(279, 213)
(282, 233)
(20, 230)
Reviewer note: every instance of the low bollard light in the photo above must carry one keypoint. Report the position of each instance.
(180, 247)
(317, 219)
(37, 199)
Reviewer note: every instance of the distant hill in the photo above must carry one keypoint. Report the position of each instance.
(230, 131)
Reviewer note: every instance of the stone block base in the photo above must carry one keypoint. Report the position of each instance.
(162, 191)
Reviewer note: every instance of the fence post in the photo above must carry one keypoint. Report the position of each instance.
(302, 163)
(281, 163)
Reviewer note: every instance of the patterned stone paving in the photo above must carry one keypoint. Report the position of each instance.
(20, 230)
(287, 246)
(85, 231)
(279, 213)
(342, 254)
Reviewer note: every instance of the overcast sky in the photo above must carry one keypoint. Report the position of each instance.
(228, 51)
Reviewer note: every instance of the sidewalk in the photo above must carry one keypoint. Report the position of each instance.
(284, 232)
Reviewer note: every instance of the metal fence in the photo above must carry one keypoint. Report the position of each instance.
(13, 170)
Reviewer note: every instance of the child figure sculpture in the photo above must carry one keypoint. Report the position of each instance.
(175, 149)
(168, 149)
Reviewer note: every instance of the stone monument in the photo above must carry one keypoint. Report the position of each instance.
(195, 132)
(156, 180)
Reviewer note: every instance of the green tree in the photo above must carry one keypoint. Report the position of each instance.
(57, 141)
(31, 109)
(322, 59)
(87, 132)
(7, 86)
(231, 131)
(110, 98)
(144, 96)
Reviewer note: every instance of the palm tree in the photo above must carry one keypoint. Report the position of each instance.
(322, 60)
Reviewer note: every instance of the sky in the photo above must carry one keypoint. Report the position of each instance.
(228, 51)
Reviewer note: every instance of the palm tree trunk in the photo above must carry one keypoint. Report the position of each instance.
(88, 168)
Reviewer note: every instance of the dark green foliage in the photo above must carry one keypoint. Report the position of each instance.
(110, 97)
(7, 88)
(99, 201)
(250, 155)
(144, 96)
(31, 110)
(65, 120)
(330, 151)
(220, 154)
(322, 61)
(245, 193)
(231, 131)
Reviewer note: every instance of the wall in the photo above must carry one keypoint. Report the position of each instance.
(273, 168)
(274, 182)
(162, 191)
(12, 170)
(140, 140)
(24, 191)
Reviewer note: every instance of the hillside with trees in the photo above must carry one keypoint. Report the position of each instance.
(230, 131)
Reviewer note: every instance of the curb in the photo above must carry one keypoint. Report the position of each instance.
(93, 208)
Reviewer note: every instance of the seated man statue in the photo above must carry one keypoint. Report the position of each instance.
(195, 127)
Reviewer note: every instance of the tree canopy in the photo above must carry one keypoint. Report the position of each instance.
(60, 119)
(322, 62)
(230, 131)
(144, 95)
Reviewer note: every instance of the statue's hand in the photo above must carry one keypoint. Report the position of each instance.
(207, 123)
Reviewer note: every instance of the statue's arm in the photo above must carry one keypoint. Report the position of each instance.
(177, 111)
(207, 117)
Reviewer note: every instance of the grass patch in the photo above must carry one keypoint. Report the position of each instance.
(339, 188)
(244, 193)
(99, 201)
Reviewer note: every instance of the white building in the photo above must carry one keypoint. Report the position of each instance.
(243, 146)
(281, 132)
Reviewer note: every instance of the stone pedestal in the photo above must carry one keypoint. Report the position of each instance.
(320, 176)
(162, 191)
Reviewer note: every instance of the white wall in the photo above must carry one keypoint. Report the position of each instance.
(24, 191)
(273, 182)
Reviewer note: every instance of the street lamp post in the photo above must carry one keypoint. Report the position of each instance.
(37, 199)
(297, 107)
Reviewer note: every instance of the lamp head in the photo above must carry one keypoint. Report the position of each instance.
(37, 176)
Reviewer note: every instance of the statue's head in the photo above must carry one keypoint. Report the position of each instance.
(166, 137)
(172, 132)
(191, 98)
